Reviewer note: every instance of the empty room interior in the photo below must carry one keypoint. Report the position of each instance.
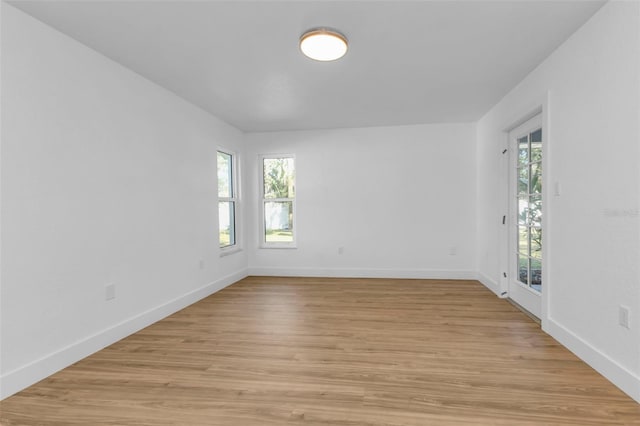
(211, 217)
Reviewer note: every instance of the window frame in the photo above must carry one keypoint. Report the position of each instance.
(234, 199)
(263, 243)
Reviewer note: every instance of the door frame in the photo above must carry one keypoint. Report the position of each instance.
(523, 112)
(519, 292)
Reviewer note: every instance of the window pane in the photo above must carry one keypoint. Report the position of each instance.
(536, 136)
(536, 152)
(523, 240)
(226, 221)
(523, 151)
(523, 269)
(535, 210)
(279, 178)
(523, 180)
(536, 243)
(224, 175)
(278, 221)
(536, 145)
(536, 178)
(523, 210)
(535, 274)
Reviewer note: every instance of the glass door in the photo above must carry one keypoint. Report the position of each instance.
(525, 283)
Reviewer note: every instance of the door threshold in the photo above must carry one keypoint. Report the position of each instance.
(524, 311)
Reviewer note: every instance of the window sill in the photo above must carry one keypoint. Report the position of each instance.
(278, 246)
(229, 251)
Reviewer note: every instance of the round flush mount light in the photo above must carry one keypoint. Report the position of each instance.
(323, 44)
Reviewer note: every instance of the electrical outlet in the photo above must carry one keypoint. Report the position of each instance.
(623, 317)
(340, 250)
(201, 264)
(110, 291)
(453, 251)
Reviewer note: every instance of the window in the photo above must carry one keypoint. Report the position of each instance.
(227, 199)
(529, 208)
(278, 201)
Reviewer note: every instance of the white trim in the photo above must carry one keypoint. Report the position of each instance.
(489, 283)
(227, 251)
(26, 375)
(278, 246)
(442, 274)
(624, 379)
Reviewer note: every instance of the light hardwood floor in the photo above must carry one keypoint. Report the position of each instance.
(280, 351)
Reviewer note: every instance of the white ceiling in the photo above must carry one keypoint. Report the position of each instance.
(409, 62)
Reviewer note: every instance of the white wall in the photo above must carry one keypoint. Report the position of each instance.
(106, 178)
(593, 231)
(397, 199)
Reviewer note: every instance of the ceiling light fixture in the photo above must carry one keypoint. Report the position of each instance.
(323, 44)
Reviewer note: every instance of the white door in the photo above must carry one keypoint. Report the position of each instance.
(525, 213)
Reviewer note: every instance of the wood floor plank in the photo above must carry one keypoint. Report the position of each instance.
(320, 351)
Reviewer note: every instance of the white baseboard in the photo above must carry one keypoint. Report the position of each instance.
(626, 380)
(365, 273)
(489, 283)
(26, 375)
